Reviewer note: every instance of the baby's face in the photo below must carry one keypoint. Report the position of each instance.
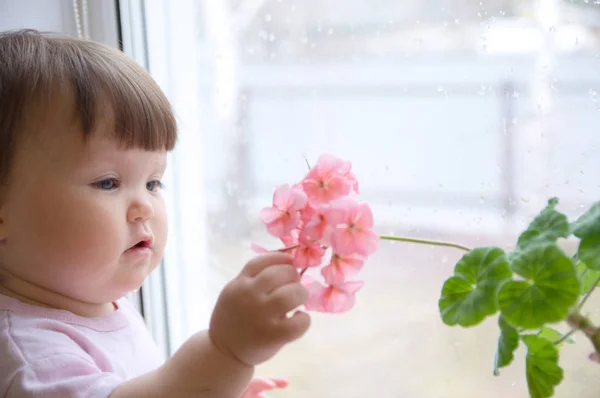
(74, 209)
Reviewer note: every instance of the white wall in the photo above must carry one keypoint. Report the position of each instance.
(57, 16)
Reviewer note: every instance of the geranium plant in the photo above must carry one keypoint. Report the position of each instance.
(323, 223)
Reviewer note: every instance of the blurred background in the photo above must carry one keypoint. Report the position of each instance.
(460, 117)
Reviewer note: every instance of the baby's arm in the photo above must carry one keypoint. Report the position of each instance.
(249, 325)
(197, 369)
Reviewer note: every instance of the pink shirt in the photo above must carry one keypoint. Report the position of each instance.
(53, 353)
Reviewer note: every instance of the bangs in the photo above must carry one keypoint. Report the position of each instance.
(108, 92)
(115, 93)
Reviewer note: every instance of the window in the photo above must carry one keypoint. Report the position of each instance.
(461, 118)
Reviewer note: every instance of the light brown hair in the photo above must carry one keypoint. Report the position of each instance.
(37, 68)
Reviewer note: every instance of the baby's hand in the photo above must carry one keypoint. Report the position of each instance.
(250, 320)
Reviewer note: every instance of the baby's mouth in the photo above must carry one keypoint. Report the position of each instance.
(143, 244)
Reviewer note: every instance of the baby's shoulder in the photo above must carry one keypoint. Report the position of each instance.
(26, 339)
(49, 358)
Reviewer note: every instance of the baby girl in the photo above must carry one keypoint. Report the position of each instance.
(84, 137)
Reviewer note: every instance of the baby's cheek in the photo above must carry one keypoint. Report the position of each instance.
(160, 228)
(84, 237)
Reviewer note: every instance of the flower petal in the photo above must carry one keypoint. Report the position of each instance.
(260, 384)
(341, 298)
(316, 293)
(281, 196)
(338, 301)
(308, 254)
(341, 268)
(365, 216)
(269, 215)
(353, 181)
(296, 200)
(344, 242)
(366, 242)
(255, 247)
(337, 187)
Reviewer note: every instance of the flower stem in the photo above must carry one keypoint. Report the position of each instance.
(287, 248)
(588, 294)
(424, 242)
(307, 163)
(579, 322)
(565, 336)
(576, 321)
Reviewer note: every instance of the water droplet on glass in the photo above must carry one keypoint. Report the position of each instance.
(456, 21)
(268, 18)
(525, 200)
(440, 89)
(552, 29)
(593, 94)
(330, 31)
(271, 37)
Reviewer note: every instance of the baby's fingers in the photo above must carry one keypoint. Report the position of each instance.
(259, 263)
(274, 277)
(294, 327)
(288, 298)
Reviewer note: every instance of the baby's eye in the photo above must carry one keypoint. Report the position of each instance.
(154, 185)
(107, 184)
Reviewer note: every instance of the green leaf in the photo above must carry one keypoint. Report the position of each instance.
(542, 370)
(588, 223)
(587, 277)
(546, 228)
(553, 335)
(589, 251)
(551, 288)
(470, 295)
(507, 344)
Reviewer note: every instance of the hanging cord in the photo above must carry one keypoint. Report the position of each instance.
(80, 12)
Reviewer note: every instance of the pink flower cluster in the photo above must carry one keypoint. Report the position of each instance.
(321, 222)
